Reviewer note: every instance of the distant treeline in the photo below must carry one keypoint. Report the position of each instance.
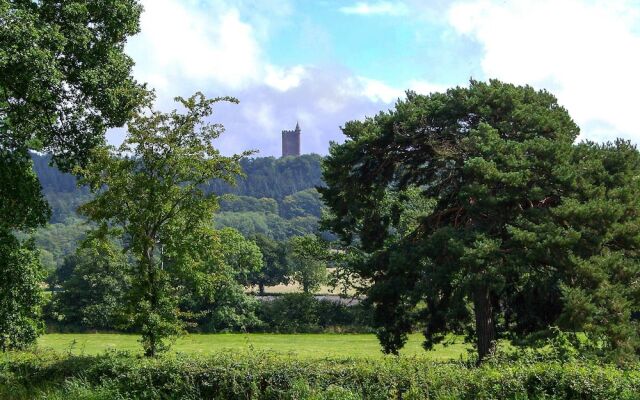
(266, 177)
(275, 178)
(276, 197)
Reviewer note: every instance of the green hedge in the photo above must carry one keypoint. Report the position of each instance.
(266, 376)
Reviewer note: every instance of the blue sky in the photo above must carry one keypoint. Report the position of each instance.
(325, 62)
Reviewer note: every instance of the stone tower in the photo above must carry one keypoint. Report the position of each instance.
(291, 142)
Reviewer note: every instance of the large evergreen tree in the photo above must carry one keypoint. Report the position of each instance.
(476, 204)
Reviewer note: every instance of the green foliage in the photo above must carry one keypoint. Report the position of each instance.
(265, 376)
(64, 80)
(21, 203)
(514, 229)
(274, 178)
(276, 269)
(64, 75)
(52, 179)
(302, 203)
(92, 286)
(228, 309)
(60, 240)
(242, 256)
(20, 293)
(22, 208)
(233, 203)
(601, 227)
(269, 224)
(249, 215)
(64, 196)
(307, 257)
(302, 312)
(213, 293)
(151, 191)
(291, 313)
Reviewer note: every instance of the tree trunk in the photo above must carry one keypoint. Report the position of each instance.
(152, 296)
(261, 288)
(485, 329)
(151, 348)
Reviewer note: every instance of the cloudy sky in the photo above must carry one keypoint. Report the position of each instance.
(324, 62)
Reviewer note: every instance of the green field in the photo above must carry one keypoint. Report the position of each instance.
(296, 345)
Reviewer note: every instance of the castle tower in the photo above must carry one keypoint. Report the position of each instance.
(291, 142)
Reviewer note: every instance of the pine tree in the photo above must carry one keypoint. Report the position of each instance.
(512, 219)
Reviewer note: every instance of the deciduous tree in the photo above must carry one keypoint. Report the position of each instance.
(308, 257)
(151, 190)
(276, 269)
(64, 80)
(20, 293)
(93, 284)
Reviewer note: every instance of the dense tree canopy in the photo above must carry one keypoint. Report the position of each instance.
(64, 80)
(276, 269)
(307, 257)
(20, 293)
(473, 211)
(263, 178)
(274, 177)
(64, 76)
(241, 255)
(92, 286)
(214, 293)
(291, 214)
(302, 203)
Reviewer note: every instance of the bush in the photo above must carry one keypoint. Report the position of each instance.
(304, 313)
(266, 376)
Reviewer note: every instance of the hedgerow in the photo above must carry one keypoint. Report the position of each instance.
(268, 376)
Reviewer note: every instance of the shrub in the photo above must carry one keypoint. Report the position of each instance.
(267, 376)
(304, 313)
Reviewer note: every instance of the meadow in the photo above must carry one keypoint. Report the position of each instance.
(304, 346)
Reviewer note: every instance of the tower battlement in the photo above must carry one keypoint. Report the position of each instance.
(291, 142)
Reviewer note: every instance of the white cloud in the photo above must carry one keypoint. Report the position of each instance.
(189, 44)
(264, 117)
(423, 87)
(377, 91)
(284, 79)
(587, 53)
(182, 39)
(217, 47)
(379, 8)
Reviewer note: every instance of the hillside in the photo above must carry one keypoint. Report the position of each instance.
(276, 197)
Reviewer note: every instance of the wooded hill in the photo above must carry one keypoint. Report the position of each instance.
(276, 197)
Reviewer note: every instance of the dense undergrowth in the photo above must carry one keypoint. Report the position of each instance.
(46, 375)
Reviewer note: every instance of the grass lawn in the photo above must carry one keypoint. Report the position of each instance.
(297, 345)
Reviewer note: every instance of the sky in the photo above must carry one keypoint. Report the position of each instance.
(325, 62)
